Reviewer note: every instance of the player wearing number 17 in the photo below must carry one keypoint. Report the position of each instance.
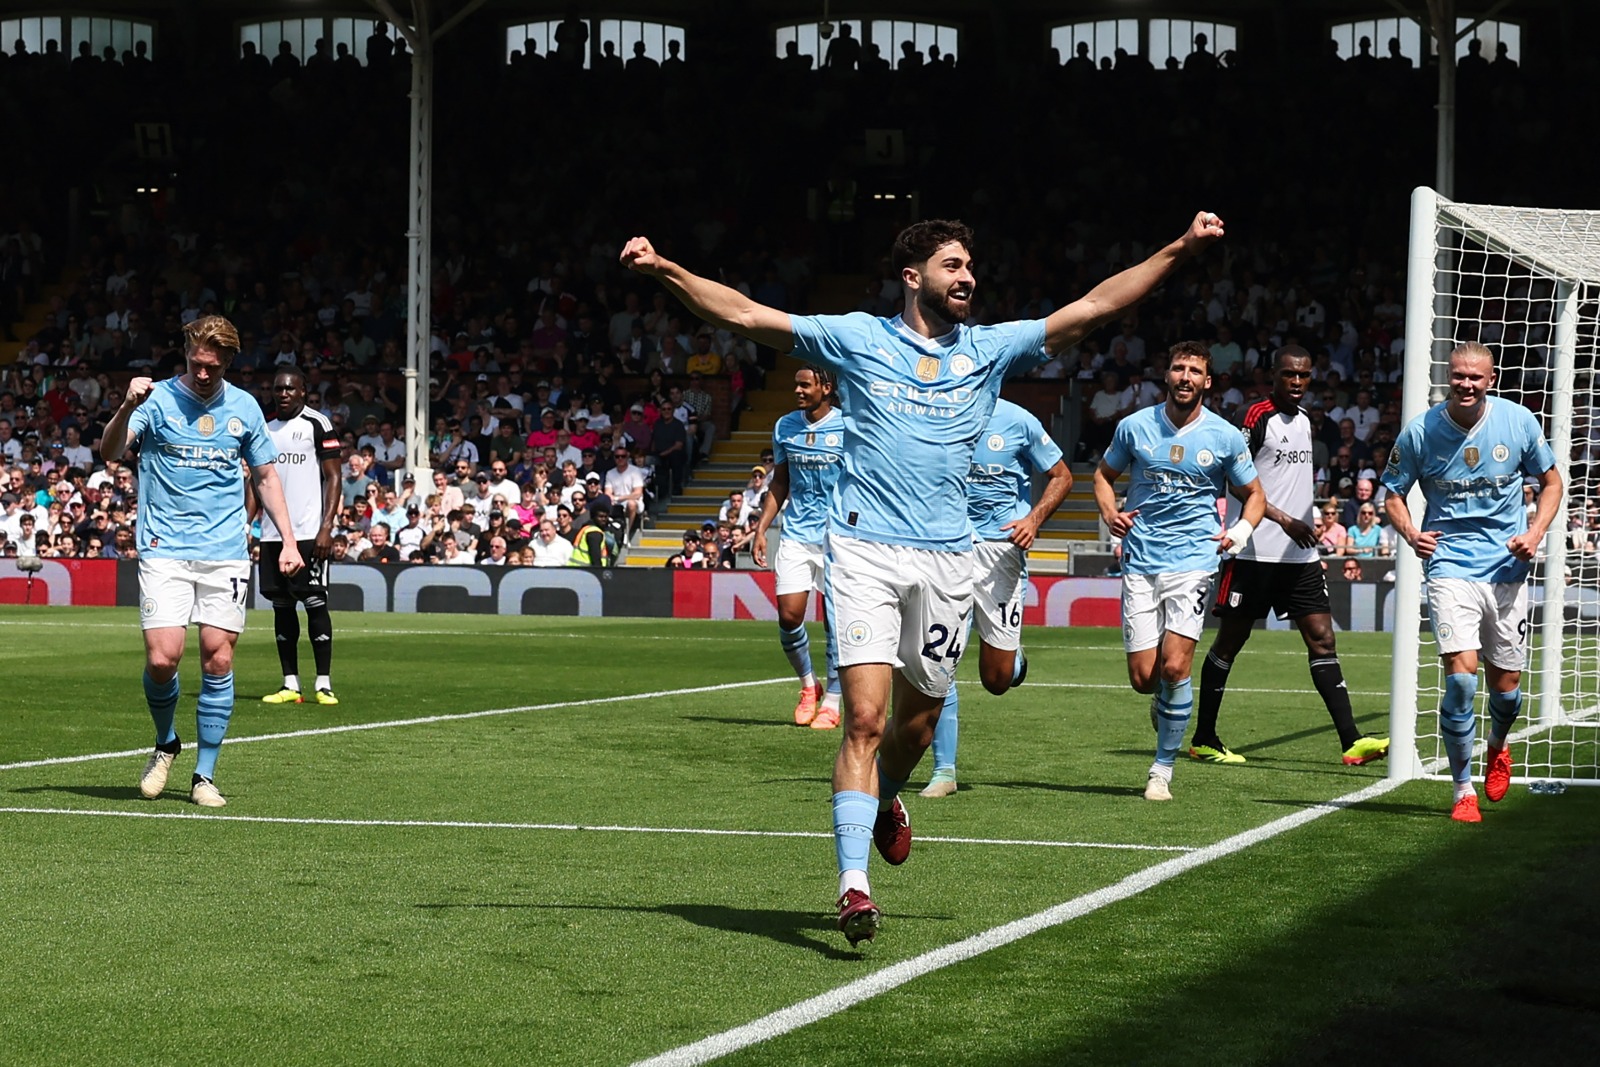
(1178, 457)
(916, 391)
(192, 433)
(1469, 455)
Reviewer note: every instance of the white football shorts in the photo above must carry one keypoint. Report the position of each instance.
(907, 607)
(1154, 604)
(797, 567)
(1491, 617)
(182, 592)
(999, 581)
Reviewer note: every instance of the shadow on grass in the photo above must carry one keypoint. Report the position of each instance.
(98, 792)
(1060, 787)
(798, 929)
(728, 720)
(1440, 945)
(1436, 811)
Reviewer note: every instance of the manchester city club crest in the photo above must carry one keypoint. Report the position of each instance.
(235, 427)
(995, 442)
(832, 440)
(1205, 458)
(1470, 454)
(1176, 455)
(927, 368)
(206, 425)
(858, 633)
(962, 365)
(1500, 453)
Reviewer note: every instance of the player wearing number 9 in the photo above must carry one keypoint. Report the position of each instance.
(1005, 522)
(193, 433)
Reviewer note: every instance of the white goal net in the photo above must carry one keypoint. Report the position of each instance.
(1525, 282)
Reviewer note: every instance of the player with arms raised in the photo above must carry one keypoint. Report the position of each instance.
(192, 433)
(807, 456)
(1470, 454)
(916, 391)
(308, 465)
(1178, 456)
(1005, 522)
(1279, 570)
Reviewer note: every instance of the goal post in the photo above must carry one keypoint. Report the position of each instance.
(1526, 282)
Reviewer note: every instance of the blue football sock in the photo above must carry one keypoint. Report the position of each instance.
(797, 646)
(944, 735)
(888, 788)
(211, 721)
(163, 701)
(853, 816)
(1503, 711)
(1458, 724)
(1175, 704)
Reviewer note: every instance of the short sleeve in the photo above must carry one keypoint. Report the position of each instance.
(1241, 468)
(1537, 455)
(1402, 470)
(1022, 347)
(1119, 453)
(1043, 453)
(139, 422)
(828, 340)
(258, 447)
(779, 453)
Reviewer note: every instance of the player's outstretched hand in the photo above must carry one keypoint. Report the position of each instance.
(1524, 546)
(758, 548)
(1122, 522)
(1426, 543)
(640, 255)
(138, 392)
(1205, 229)
(289, 561)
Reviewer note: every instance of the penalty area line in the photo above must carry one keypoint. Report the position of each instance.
(849, 995)
(284, 820)
(423, 720)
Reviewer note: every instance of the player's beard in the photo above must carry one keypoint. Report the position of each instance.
(1185, 407)
(940, 307)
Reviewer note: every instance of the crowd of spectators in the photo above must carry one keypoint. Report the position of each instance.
(545, 357)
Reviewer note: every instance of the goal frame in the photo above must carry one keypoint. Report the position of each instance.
(1427, 347)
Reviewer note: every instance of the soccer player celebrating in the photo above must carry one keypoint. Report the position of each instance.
(1279, 570)
(194, 551)
(1178, 456)
(1470, 454)
(807, 456)
(916, 391)
(1005, 522)
(308, 465)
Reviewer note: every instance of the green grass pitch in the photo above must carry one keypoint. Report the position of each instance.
(547, 885)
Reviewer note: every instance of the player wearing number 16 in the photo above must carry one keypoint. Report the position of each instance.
(192, 433)
(1178, 457)
(1469, 455)
(916, 391)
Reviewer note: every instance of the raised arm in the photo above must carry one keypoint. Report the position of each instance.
(1066, 325)
(114, 438)
(718, 304)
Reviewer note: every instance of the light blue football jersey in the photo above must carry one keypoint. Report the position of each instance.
(191, 486)
(1472, 481)
(814, 452)
(914, 408)
(1178, 475)
(1000, 480)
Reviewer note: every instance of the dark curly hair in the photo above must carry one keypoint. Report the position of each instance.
(922, 239)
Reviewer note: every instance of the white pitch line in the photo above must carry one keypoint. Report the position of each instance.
(847, 996)
(420, 721)
(474, 825)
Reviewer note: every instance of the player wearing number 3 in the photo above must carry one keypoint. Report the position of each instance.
(1178, 457)
(192, 433)
(1470, 454)
(916, 391)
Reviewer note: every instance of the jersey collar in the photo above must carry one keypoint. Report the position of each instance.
(927, 344)
(183, 388)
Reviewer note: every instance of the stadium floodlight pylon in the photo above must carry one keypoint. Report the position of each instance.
(1526, 282)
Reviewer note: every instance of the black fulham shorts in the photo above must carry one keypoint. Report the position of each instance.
(311, 581)
(1248, 589)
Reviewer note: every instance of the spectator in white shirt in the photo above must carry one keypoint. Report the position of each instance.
(549, 548)
(625, 484)
(735, 511)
